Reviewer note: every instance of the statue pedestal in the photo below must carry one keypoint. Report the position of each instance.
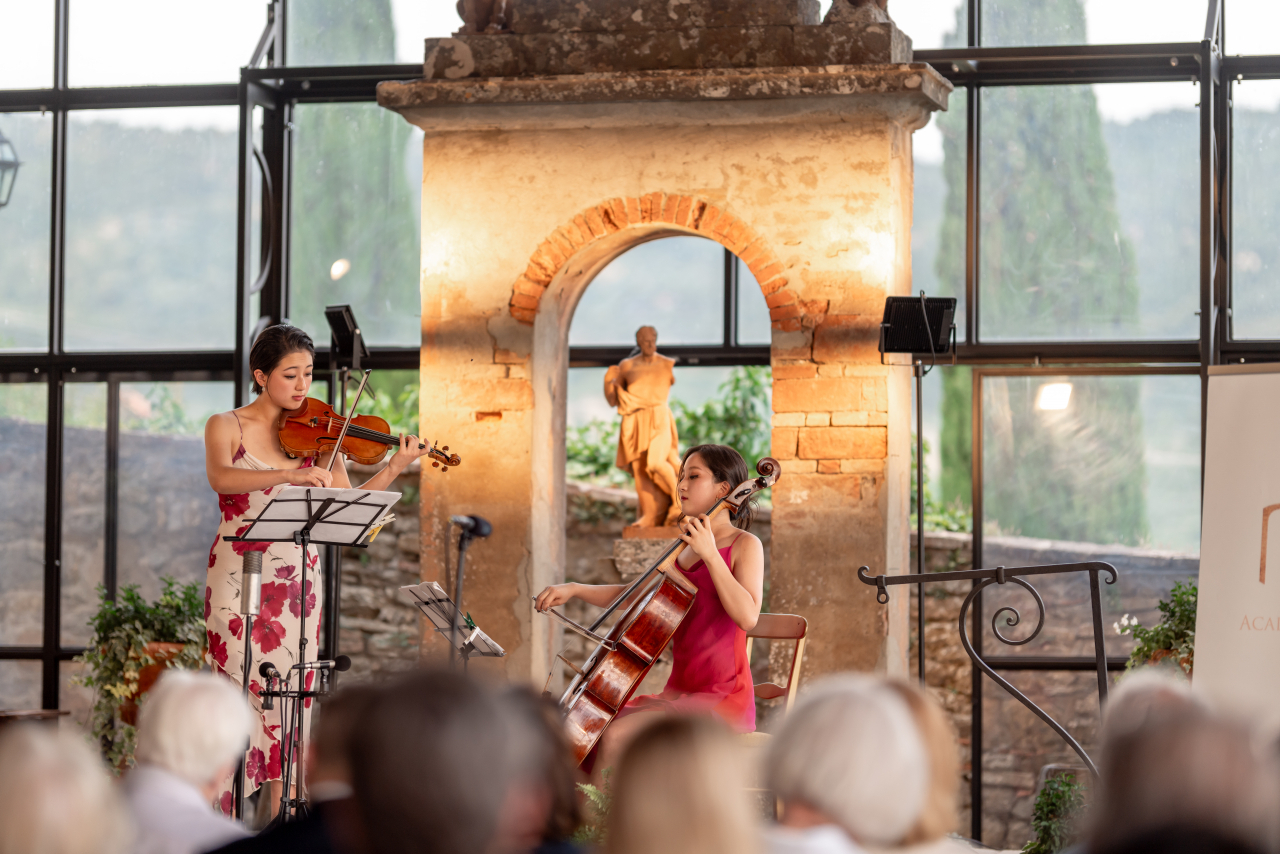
(639, 548)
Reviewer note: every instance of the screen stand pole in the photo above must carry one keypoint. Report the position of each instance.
(919, 372)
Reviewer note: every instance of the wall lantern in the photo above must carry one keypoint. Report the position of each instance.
(9, 164)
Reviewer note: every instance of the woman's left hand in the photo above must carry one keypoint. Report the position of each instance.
(697, 533)
(407, 452)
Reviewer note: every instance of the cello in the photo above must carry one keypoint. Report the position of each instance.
(623, 656)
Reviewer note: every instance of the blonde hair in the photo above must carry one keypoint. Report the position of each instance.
(56, 797)
(850, 750)
(680, 788)
(940, 813)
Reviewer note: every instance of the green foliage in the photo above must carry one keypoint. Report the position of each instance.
(116, 654)
(1054, 819)
(955, 516)
(594, 831)
(168, 416)
(591, 451)
(1173, 637)
(398, 407)
(739, 417)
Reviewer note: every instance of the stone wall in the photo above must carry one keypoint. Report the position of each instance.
(1017, 746)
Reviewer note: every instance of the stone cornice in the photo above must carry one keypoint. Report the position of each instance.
(916, 84)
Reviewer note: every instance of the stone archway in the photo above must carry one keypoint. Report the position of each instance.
(533, 184)
(686, 214)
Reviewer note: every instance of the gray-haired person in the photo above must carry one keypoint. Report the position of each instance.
(192, 730)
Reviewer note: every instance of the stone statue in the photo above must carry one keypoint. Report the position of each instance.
(482, 16)
(647, 443)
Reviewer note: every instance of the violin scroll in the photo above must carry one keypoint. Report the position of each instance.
(442, 460)
(770, 470)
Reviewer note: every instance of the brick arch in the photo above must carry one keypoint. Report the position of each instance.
(690, 212)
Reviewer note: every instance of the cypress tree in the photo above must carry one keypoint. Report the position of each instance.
(1053, 265)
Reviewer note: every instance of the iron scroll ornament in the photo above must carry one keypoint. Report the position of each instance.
(983, 579)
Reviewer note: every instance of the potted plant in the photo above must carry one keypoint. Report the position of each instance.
(1173, 638)
(133, 642)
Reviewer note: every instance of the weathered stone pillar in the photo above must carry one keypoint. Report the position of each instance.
(570, 132)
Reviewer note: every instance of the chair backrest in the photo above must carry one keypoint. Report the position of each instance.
(781, 627)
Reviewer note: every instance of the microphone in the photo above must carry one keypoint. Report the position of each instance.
(341, 664)
(267, 670)
(476, 526)
(251, 583)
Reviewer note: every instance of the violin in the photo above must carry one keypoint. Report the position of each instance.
(313, 428)
(622, 658)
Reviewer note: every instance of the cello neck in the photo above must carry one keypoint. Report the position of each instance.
(670, 554)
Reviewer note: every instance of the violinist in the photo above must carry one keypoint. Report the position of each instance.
(725, 563)
(246, 466)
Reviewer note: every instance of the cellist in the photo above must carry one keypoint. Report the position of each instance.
(245, 464)
(725, 563)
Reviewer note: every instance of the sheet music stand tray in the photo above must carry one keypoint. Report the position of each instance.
(311, 516)
(445, 618)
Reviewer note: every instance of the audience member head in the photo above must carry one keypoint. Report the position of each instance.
(195, 726)
(541, 804)
(940, 813)
(849, 754)
(56, 797)
(328, 765)
(430, 765)
(1145, 697)
(680, 788)
(1169, 764)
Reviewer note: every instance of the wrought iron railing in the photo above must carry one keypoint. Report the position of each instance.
(984, 578)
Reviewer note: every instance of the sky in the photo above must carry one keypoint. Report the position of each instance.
(123, 42)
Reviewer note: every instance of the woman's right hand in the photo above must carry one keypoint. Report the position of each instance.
(556, 594)
(310, 476)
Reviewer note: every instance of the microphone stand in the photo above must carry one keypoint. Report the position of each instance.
(250, 604)
(464, 540)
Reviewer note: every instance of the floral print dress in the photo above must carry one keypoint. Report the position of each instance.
(274, 636)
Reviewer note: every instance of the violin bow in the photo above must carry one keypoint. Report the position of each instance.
(346, 422)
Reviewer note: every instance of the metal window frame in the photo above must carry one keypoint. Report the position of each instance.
(280, 86)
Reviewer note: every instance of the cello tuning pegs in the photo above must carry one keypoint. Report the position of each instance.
(435, 465)
(446, 468)
(445, 448)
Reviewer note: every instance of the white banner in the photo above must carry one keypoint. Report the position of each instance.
(1237, 659)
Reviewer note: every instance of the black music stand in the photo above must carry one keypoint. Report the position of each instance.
(310, 516)
(465, 637)
(919, 325)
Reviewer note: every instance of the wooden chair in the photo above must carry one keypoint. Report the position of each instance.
(778, 627)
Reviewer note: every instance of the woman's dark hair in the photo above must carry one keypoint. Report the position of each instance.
(727, 465)
(272, 345)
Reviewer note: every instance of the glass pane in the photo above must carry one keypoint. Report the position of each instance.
(392, 396)
(675, 284)
(1255, 299)
(151, 229)
(27, 59)
(938, 220)
(1007, 23)
(23, 416)
(84, 492)
(754, 326)
(168, 515)
(24, 232)
(20, 685)
(140, 42)
(931, 24)
(76, 699)
(1017, 745)
(359, 32)
(1085, 235)
(1253, 26)
(1082, 468)
(357, 202)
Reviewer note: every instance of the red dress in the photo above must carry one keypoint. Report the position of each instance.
(709, 670)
